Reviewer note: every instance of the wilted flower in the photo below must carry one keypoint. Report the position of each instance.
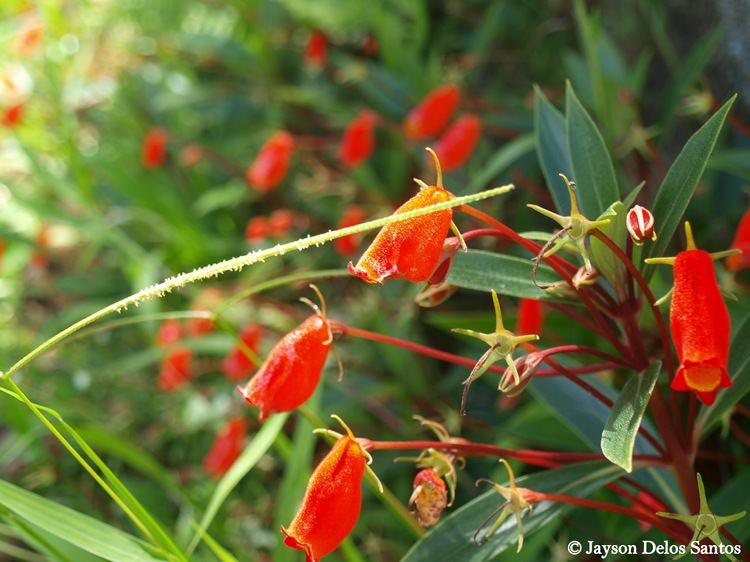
(430, 497)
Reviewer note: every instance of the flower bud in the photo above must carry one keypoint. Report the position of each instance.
(640, 224)
(226, 448)
(272, 163)
(741, 242)
(430, 497)
(316, 49)
(432, 114)
(154, 149)
(353, 215)
(457, 143)
(238, 364)
(175, 370)
(359, 140)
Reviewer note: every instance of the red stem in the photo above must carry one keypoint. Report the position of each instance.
(467, 448)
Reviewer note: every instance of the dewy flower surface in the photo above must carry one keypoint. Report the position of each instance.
(332, 502)
(409, 249)
(290, 374)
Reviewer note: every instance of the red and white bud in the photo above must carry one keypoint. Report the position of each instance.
(640, 224)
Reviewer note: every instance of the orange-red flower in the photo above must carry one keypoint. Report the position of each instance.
(530, 317)
(409, 249)
(238, 364)
(290, 374)
(12, 115)
(359, 140)
(175, 370)
(432, 114)
(316, 49)
(280, 222)
(226, 448)
(29, 37)
(457, 143)
(332, 501)
(699, 322)
(170, 332)
(741, 242)
(353, 215)
(256, 229)
(272, 163)
(154, 149)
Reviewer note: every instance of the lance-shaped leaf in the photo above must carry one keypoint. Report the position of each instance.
(621, 428)
(552, 149)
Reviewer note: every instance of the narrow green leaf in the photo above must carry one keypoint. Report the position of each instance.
(621, 428)
(504, 157)
(731, 498)
(739, 370)
(681, 180)
(508, 275)
(589, 416)
(552, 149)
(452, 538)
(241, 467)
(592, 166)
(734, 161)
(76, 528)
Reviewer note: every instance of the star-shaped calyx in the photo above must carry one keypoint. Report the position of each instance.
(704, 523)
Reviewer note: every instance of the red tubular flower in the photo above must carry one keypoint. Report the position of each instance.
(237, 364)
(280, 222)
(741, 242)
(191, 155)
(154, 148)
(359, 140)
(529, 317)
(699, 322)
(457, 143)
(29, 38)
(433, 113)
(175, 370)
(226, 448)
(12, 115)
(332, 501)
(272, 163)
(316, 49)
(170, 332)
(640, 224)
(409, 249)
(290, 374)
(256, 229)
(347, 245)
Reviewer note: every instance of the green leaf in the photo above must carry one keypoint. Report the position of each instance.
(734, 161)
(681, 180)
(739, 370)
(76, 528)
(588, 417)
(592, 166)
(504, 157)
(552, 149)
(452, 538)
(241, 467)
(732, 498)
(508, 275)
(621, 428)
